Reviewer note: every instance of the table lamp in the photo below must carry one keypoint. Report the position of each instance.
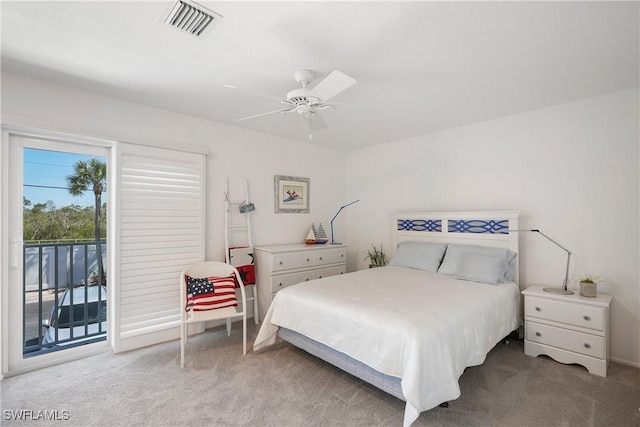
(333, 242)
(562, 290)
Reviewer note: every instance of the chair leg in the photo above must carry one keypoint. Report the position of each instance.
(183, 343)
(244, 334)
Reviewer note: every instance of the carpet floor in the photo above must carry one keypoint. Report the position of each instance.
(285, 386)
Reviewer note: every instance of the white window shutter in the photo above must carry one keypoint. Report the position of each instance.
(162, 231)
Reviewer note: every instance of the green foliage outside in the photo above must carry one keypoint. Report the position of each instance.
(45, 222)
(90, 175)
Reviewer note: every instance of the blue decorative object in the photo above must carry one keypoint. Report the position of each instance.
(333, 242)
(247, 207)
(420, 225)
(479, 226)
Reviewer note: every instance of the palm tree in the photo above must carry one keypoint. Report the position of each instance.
(91, 175)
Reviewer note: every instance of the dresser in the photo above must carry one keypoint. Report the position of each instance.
(279, 266)
(568, 328)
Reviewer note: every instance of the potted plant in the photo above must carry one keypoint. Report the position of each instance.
(589, 285)
(376, 257)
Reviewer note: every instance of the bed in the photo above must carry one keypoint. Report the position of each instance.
(449, 295)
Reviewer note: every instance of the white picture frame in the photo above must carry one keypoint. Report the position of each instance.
(291, 194)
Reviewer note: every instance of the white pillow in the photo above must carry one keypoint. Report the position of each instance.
(452, 264)
(480, 268)
(419, 255)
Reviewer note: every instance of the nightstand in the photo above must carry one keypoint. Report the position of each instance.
(279, 266)
(568, 328)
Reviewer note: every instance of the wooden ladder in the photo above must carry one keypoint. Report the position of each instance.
(238, 243)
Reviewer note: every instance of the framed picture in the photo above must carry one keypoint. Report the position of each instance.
(291, 194)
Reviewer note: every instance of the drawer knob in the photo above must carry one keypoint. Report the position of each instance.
(280, 284)
(538, 334)
(319, 277)
(341, 255)
(280, 262)
(587, 345)
(320, 259)
(538, 309)
(587, 318)
(306, 280)
(308, 259)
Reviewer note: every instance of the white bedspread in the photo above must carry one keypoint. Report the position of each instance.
(422, 327)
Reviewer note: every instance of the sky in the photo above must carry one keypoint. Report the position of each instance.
(45, 177)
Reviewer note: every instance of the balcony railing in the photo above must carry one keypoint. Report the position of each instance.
(65, 295)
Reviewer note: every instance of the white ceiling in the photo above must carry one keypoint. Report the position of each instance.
(421, 66)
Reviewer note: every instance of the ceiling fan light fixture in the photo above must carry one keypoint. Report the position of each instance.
(304, 110)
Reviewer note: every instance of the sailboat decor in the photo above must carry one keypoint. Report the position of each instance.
(311, 237)
(321, 236)
(316, 236)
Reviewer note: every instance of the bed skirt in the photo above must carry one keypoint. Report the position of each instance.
(386, 383)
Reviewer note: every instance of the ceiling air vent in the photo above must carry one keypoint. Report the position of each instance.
(190, 17)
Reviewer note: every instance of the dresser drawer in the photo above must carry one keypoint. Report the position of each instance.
(283, 280)
(578, 342)
(291, 260)
(329, 271)
(280, 266)
(329, 256)
(581, 315)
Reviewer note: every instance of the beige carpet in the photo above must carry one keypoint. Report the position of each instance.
(284, 386)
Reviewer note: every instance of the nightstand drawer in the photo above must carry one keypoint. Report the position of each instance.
(291, 260)
(329, 271)
(329, 256)
(578, 342)
(284, 280)
(581, 315)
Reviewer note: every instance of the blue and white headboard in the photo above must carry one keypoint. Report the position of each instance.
(469, 228)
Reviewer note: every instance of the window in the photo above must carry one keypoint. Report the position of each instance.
(161, 231)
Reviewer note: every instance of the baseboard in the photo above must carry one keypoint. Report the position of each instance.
(81, 353)
(625, 362)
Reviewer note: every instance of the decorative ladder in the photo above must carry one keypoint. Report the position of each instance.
(241, 256)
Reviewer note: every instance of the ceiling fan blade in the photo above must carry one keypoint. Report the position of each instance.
(265, 114)
(332, 85)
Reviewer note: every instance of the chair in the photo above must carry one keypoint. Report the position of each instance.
(208, 269)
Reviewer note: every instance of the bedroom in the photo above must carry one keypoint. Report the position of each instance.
(567, 159)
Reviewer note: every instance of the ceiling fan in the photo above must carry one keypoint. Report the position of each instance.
(308, 102)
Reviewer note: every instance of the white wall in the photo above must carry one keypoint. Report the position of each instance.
(571, 170)
(233, 152)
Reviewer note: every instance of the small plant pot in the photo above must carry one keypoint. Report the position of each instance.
(589, 290)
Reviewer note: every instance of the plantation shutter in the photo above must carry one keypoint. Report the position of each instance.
(161, 232)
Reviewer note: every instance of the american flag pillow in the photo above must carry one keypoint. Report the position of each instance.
(210, 293)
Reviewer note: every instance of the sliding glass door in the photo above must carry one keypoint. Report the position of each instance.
(58, 287)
